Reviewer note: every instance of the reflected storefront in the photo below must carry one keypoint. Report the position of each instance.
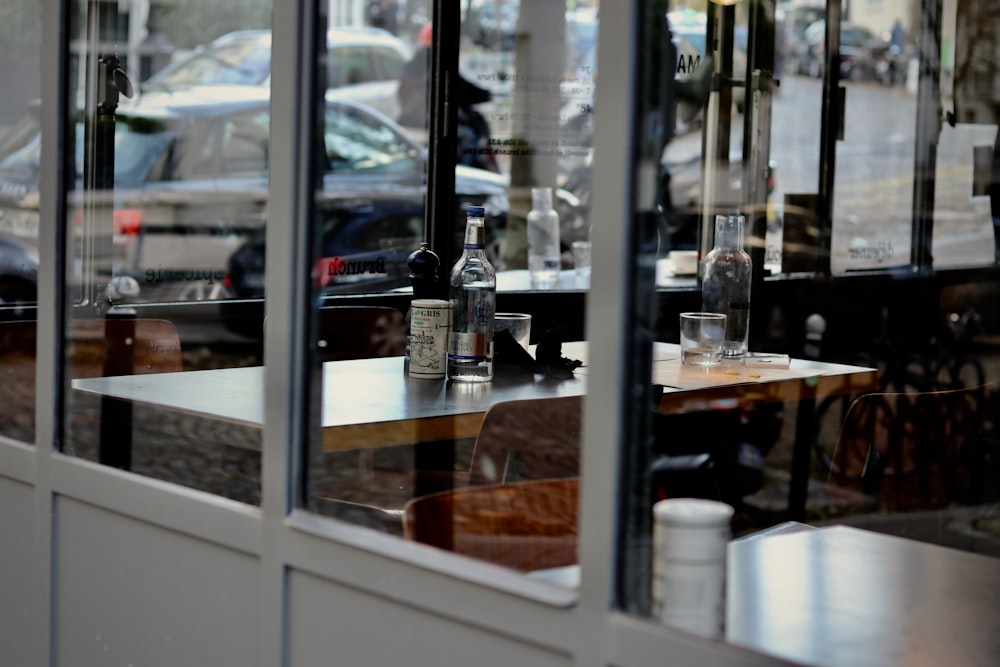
(220, 220)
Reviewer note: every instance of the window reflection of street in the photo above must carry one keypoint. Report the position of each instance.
(874, 176)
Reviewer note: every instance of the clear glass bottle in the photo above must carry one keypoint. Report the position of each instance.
(725, 286)
(543, 240)
(473, 294)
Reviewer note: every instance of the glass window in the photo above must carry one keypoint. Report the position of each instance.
(19, 145)
(848, 183)
(403, 446)
(169, 183)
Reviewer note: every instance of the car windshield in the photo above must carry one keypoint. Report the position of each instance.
(22, 148)
(240, 61)
(356, 142)
(139, 143)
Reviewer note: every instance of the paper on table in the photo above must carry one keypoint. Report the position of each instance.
(695, 377)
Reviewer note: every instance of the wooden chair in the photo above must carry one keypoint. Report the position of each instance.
(518, 440)
(526, 526)
(528, 439)
(905, 451)
(360, 332)
(123, 347)
(94, 348)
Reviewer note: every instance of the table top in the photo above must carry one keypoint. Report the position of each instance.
(371, 402)
(842, 597)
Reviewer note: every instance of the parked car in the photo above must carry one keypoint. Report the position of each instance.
(191, 187)
(363, 64)
(858, 46)
(18, 270)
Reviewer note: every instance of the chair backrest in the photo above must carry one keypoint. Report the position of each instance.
(528, 439)
(94, 347)
(910, 450)
(123, 347)
(526, 526)
(360, 332)
(99, 347)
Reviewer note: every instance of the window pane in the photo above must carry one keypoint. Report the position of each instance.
(418, 457)
(20, 75)
(856, 370)
(169, 182)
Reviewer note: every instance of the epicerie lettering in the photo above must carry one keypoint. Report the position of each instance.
(880, 252)
(188, 275)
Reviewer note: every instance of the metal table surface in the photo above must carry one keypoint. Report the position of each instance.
(840, 596)
(371, 403)
(844, 597)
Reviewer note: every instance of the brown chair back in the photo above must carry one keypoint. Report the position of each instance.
(528, 439)
(360, 332)
(909, 450)
(123, 347)
(526, 526)
(95, 348)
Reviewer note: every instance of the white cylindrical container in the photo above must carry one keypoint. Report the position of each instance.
(430, 322)
(690, 539)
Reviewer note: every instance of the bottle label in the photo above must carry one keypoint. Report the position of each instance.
(469, 347)
(430, 322)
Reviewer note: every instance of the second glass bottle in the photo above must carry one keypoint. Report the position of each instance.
(473, 294)
(725, 286)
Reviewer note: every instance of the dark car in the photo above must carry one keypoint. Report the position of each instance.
(191, 187)
(858, 46)
(18, 271)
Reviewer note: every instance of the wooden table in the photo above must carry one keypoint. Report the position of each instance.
(371, 403)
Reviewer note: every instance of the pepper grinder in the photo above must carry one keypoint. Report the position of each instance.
(424, 264)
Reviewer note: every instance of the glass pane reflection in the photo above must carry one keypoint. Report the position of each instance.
(169, 177)
(20, 139)
(485, 470)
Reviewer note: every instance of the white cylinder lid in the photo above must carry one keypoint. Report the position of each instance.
(692, 512)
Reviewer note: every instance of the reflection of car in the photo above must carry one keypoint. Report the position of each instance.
(857, 45)
(364, 64)
(492, 25)
(18, 270)
(191, 185)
